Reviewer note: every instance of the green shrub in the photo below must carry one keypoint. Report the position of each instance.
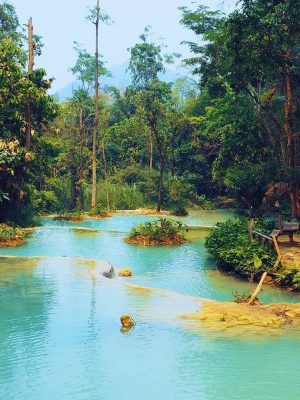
(179, 211)
(290, 278)
(75, 215)
(46, 201)
(99, 210)
(7, 232)
(204, 202)
(233, 249)
(62, 189)
(179, 195)
(158, 230)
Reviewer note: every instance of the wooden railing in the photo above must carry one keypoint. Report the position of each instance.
(272, 240)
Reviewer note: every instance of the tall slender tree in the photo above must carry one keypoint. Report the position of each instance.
(30, 71)
(96, 16)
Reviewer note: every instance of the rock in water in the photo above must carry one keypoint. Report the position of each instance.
(127, 321)
(125, 273)
(109, 272)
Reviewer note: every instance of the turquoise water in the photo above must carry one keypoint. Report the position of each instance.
(60, 332)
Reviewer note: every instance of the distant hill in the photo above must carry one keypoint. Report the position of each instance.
(120, 78)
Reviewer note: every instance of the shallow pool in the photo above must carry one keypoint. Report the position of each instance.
(60, 332)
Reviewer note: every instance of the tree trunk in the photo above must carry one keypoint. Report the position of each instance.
(151, 151)
(288, 117)
(105, 170)
(295, 200)
(160, 184)
(96, 119)
(30, 70)
(79, 204)
(288, 126)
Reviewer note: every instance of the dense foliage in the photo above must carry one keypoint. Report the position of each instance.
(233, 132)
(253, 54)
(236, 252)
(21, 168)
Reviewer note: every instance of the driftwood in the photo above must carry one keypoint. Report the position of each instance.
(258, 289)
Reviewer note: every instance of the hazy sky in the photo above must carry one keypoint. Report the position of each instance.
(61, 22)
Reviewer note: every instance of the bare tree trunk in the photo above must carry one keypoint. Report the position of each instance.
(288, 117)
(295, 190)
(81, 143)
(160, 184)
(96, 119)
(151, 151)
(81, 171)
(105, 170)
(295, 200)
(30, 70)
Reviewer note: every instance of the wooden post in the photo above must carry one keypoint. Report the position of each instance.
(30, 71)
(251, 227)
(279, 255)
(280, 224)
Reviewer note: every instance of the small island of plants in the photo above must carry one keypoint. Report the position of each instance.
(10, 236)
(156, 233)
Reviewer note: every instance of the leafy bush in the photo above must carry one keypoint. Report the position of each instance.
(99, 210)
(75, 216)
(204, 202)
(290, 278)
(158, 230)
(62, 189)
(179, 196)
(7, 232)
(45, 201)
(234, 250)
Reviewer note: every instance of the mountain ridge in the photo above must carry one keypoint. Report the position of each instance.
(120, 78)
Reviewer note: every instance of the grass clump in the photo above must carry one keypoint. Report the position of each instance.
(236, 252)
(160, 232)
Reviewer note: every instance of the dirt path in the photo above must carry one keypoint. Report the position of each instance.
(290, 252)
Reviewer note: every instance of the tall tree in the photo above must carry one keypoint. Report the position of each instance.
(153, 98)
(30, 71)
(96, 16)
